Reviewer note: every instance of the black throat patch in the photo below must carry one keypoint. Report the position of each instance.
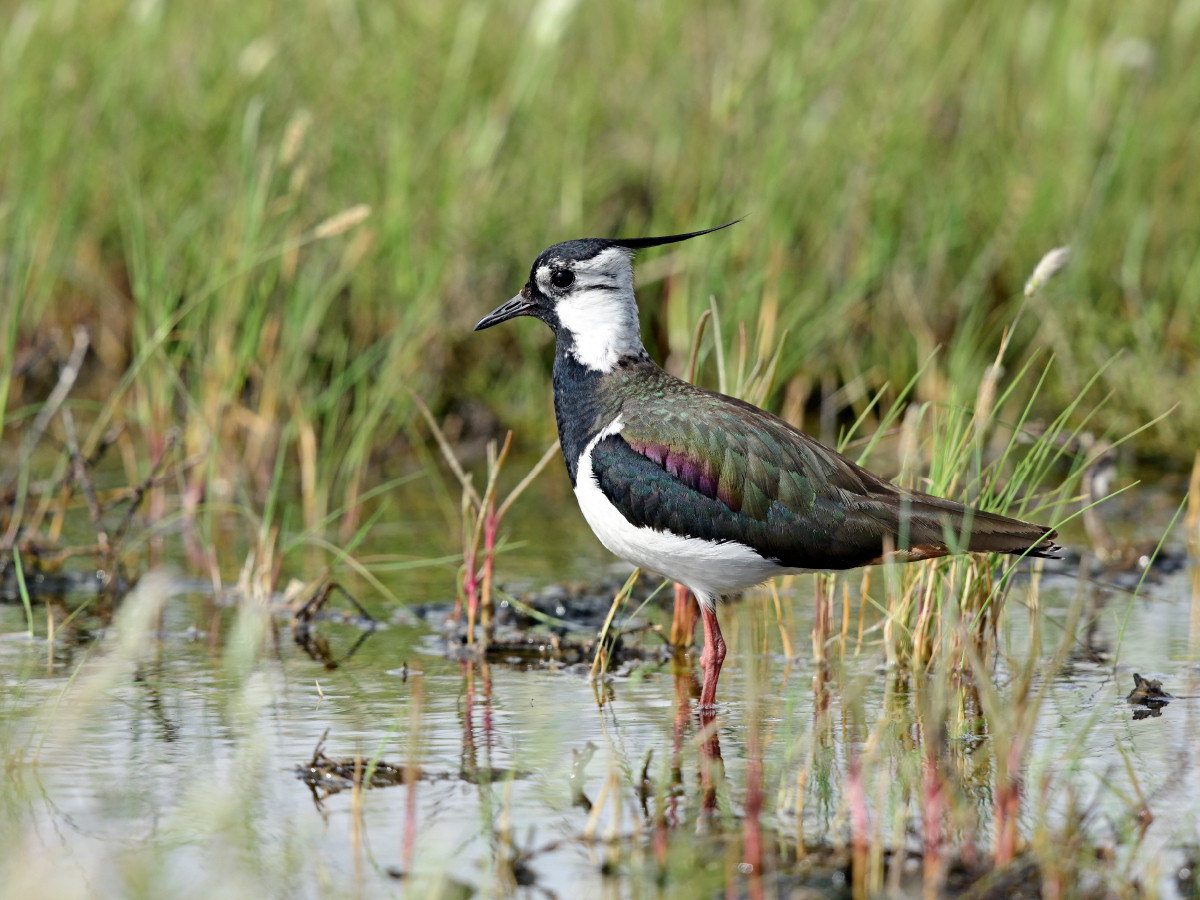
(581, 406)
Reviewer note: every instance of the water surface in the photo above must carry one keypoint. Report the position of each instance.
(177, 777)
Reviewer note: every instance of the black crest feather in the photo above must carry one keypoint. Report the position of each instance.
(643, 243)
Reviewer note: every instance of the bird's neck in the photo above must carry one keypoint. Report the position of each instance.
(600, 327)
(586, 400)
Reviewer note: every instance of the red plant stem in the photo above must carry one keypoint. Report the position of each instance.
(660, 841)
(470, 588)
(1008, 807)
(857, 801)
(933, 824)
(490, 526)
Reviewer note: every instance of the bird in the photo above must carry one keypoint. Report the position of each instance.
(708, 490)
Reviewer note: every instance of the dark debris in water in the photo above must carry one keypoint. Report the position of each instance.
(825, 872)
(57, 584)
(557, 625)
(538, 648)
(334, 775)
(331, 775)
(1149, 694)
(577, 606)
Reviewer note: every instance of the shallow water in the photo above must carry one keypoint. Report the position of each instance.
(178, 778)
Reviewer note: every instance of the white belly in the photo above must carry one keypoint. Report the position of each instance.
(711, 569)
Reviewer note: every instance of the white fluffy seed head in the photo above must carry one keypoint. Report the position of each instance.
(1046, 269)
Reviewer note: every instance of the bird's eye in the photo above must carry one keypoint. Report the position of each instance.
(562, 278)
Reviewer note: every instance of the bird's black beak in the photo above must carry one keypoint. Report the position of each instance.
(519, 305)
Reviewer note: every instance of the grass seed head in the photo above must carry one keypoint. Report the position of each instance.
(293, 137)
(1047, 268)
(342, 222)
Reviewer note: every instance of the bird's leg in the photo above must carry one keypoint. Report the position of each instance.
(683, 625)
(712, 657)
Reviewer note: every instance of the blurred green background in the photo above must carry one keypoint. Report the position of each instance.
(165, 170)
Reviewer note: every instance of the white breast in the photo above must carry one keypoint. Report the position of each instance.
(711, 569)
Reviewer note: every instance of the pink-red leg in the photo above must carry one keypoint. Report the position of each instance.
(683, 625)
(712, 657)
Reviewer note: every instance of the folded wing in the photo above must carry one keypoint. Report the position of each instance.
(703, 465)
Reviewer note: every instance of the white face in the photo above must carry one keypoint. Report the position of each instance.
(598, 308)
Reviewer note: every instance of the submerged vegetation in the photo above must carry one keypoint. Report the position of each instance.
(240, 243)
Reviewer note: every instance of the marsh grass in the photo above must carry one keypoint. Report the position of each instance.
(481, 519)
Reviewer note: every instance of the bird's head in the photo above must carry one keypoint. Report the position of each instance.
(583, 290)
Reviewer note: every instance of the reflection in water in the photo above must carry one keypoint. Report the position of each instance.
(501, 770)
(149, 677)
(712, 767)
(686, 689)
(316, 646)
(578, 776)
(412, 767)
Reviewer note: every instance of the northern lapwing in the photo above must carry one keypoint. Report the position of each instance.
(710, 491)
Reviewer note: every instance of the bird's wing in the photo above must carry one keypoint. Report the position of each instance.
(703, 465)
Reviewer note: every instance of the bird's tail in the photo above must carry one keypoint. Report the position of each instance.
(931, 518)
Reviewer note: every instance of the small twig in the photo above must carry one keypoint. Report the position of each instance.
(305, 614)
(66, 381)
(526, 481)
(447, 451)
(79, 467)
(110, 438)
(18, 477)
(495, 463)
(318, 751)
(600, 660)
(140, 491)
(120, 495)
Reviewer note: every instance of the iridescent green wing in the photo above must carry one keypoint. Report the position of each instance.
(703, 465)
